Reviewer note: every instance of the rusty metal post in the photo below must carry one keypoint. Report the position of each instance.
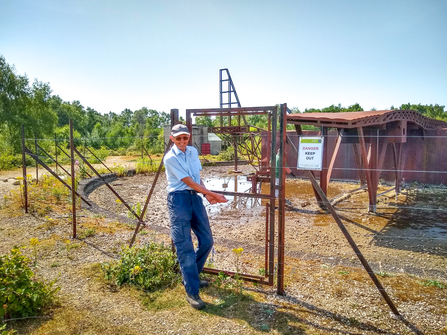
(25, 187)
(272, 194)
(55, 150)
(46, 153)
(37, 153)
(267, 213)
(324, 170)
(353, 244)
(140, 221)
(98, 160)
(46, 167)
(282, 198)
(189, 125)
(73, 180)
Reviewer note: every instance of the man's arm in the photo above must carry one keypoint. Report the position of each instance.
(212, 197)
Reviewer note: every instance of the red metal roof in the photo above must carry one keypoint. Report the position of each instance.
(364, 119)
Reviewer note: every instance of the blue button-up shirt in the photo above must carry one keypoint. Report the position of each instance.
(179, 165)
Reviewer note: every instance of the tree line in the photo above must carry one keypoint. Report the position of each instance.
(432, 111)
(46, 116)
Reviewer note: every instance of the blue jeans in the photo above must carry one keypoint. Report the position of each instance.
(186, 212)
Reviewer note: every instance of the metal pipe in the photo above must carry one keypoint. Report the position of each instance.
(282, 196)
(73, 180)
(246, 277)
(99, 160)
(37, 153)
(46, 167)
(267, 213)
(52, 159)
(55, 150)
(248, 195)
(154, 183)
(272, 194)
(25, 187)
(107, 184)
(353, 244)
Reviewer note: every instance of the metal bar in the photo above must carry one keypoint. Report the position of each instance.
(366, 164)
(189, 125)
(150, 158)
(37, 153)
(63, 151)
(397, 154)
(55, 150)
(282, 197)
(266, 256)
(220, 88)
(358, 161)
(149, 195)
(73, 180)
(382, 154)
(232, 110)
(353, 245)
(52, 159)
(246, 277)
(248, 195)
(235, 153)
(25, 187)
(46, 167)
(334, 155)
(98, 159)
(272, 194)
(107, 184)
(385, 192)
(324, 170)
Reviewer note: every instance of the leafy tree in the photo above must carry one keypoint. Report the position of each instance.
(433, 111)
(22, 104)
(204, 121)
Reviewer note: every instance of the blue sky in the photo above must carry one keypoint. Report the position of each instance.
(165, 54)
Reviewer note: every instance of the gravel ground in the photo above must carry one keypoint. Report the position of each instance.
(320, 298)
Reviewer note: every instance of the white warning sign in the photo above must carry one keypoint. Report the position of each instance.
(310, 153)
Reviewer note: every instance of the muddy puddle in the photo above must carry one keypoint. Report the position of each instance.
(235, 183)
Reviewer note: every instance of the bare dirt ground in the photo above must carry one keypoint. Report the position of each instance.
(327, 290)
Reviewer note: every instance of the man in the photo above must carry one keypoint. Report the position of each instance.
(186, 211)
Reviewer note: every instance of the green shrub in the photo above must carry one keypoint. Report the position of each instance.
(21, 295)
(137, 210)
(145, 165)
(101, 153)
(6, 332)
(150, 268)
(120, 152)
(226, 155)
(133, 151)
(10, 162)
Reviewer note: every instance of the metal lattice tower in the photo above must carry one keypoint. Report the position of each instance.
(229, 91)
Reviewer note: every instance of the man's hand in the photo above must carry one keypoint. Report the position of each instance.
(214, 198)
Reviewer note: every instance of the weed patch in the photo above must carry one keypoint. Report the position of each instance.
(21, 295)
(150, 268)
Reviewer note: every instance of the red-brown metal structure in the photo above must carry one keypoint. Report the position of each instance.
(371, 134)
(247, 141)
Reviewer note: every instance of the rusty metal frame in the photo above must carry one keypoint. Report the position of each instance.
(375, 160)
(372, 160)
(375, 131)
(266, 173)
(269, 174)
(27, 151)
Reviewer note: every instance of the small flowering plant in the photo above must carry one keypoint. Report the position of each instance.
(237, 277)
(34, 242)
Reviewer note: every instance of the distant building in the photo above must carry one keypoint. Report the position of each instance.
(200, 136)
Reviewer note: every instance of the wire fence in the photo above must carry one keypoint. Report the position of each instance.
(407, 234)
